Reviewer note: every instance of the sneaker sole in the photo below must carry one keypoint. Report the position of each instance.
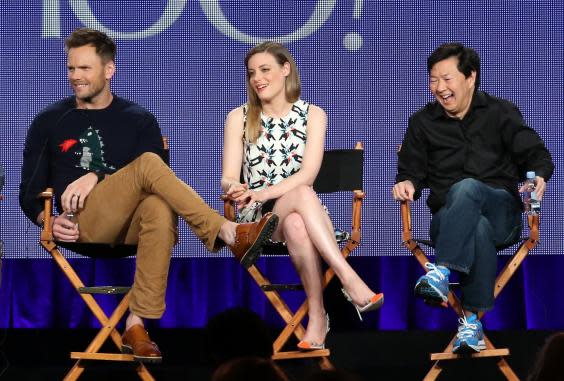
(466, 349)
(252, 254)
(430, 294)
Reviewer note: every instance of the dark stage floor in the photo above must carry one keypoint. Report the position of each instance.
(388, 355)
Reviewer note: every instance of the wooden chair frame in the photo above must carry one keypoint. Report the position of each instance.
(501, 281)
(293, 319)
(108, 324)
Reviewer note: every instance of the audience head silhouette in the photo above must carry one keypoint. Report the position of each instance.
(237, 332)
(550, 361)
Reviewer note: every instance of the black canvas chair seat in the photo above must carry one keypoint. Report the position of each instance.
(99, 250)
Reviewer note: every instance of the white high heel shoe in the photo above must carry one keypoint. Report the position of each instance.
(373, 304)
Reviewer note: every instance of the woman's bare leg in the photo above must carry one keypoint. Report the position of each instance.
(304, 202)
(308, 265)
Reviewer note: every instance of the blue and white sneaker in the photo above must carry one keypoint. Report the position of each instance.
(433, 286)
(470, 336)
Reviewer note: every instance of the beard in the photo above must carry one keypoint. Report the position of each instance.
(89, 96)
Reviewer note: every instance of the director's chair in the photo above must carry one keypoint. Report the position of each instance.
(94, 250)
(527, 244)
(341, 170)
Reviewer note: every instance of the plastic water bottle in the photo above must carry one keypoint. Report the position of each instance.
(531, 201)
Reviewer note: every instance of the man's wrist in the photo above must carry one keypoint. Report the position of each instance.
(99, 174)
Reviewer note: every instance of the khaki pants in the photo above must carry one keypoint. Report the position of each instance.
(139, 205)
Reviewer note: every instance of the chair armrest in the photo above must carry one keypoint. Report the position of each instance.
(228, 207)
(47, 193)
(358, 196)
(47, 196)
(533, 222)
(405, 221)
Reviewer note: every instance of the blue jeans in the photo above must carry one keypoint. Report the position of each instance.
(475, 221)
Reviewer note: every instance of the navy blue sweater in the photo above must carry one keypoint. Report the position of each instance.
(64, 143)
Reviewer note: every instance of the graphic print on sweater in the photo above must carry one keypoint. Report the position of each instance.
(92, 152)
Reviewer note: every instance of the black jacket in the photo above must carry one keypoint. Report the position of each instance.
(492, 143)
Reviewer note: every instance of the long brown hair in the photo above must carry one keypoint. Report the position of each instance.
(293, 85)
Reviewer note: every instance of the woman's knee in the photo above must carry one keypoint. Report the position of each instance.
(294, 228)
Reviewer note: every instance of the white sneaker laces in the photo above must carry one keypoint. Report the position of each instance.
(466, 329)
(434, 273)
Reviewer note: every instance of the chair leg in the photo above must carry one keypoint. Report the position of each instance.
(502, 363)
(325, 364)
(503, 278)
(75, 372)
(506, 370)
(296, 319)
(510, 268)
(279, 304)
(434, 372)
(293, 324)
(78, 368)
(109, 327)
(293, 320)
(490, 351)
(436, 369)
(143, 373)
(108, 324)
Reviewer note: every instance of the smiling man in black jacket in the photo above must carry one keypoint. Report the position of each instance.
(471, 150)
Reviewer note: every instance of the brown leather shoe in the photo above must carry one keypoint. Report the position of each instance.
(250, 238)
(136, 341)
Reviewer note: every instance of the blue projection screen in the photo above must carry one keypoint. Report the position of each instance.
(364, 62)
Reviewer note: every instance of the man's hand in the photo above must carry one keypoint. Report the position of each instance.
(403, 191)
(73, 197)
(540, 187)
(64, 229)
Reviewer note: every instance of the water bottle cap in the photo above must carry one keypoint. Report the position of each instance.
(531, 174)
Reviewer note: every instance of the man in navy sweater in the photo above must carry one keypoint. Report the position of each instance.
(102, 155)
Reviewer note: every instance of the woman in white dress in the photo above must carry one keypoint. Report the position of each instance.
(277, 140)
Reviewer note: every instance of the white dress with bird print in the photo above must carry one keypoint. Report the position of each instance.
(276, 155)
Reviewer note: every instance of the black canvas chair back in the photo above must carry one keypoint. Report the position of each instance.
(341, 170)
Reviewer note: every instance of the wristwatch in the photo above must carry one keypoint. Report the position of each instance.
(99, 174)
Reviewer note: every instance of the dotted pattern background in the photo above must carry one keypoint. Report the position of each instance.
(365, 65)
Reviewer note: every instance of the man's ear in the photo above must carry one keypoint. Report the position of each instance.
(110, 70)
(472, 78)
